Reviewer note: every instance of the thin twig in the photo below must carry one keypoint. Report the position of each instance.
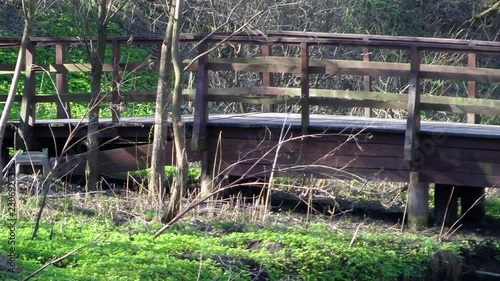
(60, 259)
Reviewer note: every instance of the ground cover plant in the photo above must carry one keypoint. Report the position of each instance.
(220, 240)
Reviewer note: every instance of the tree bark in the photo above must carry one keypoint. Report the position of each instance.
(178, 189)
(28, 24)
(157, 174)
(96, 61)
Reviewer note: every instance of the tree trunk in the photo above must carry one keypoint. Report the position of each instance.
(28, 23)
(178, 189)
(157, 174)
(96, 60)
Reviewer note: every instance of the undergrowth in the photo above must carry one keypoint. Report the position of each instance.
(220, 240)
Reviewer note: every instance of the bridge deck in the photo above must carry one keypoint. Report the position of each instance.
(317, 122)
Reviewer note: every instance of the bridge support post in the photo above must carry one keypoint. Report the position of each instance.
(267, 77)
(473, 204)
(28, 100)
(199, 139)
(418, 192)
(446, 198)
(445, 204)
(418, 202)
(63, 107)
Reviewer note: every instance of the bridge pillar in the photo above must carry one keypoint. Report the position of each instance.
(446, 199)
(445, 204)
(473, 204)
(418, 202)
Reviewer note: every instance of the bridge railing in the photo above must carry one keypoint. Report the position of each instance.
(267, 64)
(413, 100)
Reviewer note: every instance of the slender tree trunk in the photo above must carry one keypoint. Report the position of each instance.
(28, 24)
(157, 175)
(96, 60)
(178, 190)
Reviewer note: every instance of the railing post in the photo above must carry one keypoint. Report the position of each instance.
(199, 141)
(267, 77)
(115, 102)
(28, 99)
(418, 192)
(63, 108)
(304, 86)
(472, 90)
(367, 80)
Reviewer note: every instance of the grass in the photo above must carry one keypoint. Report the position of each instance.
(222, 240)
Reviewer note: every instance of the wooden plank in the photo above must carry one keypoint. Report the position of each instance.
(304, 87)
(115, 103)
(336, 67)
(63, 108)
(413, 118)
(317, 171)
(367, 80)
(27, 115)
(354, 99)
(267, 77)
(418, 191)
(472, 89)
(198, 141)
(296, 148)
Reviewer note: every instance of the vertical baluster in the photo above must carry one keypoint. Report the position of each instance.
(28, 103)
(304, 86)
(418, 192)
(63, 107)
(472, 90)
(367, 80)
(199, 141)
(115, 102)
(267, 77)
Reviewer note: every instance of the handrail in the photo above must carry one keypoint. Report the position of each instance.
(304, 65)
(291, 37)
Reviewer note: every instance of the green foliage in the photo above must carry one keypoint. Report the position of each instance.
(128, 252)
(493, 208)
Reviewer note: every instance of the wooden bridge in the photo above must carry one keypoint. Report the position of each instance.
(283, 86)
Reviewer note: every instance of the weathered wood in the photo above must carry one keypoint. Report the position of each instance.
(27, 116)
(304, 86)
(418, 202)
(418, 194)
(472, 89)
(198, 141)
(199, 135)
(367, 80)
(413, 118)
(335, 67)
(115, 103)
(267, 77)
(63, 107)
(445, 204)
(473, 204)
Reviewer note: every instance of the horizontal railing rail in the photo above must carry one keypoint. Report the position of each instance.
(267, 63)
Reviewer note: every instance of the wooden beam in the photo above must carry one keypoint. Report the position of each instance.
(267, 77)
(115, 103)
(304, 86)
(198, 141)
(418, 193)
(63, 107)
(367, 80)
(335, 67)
(27, 117)
(472, 90)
